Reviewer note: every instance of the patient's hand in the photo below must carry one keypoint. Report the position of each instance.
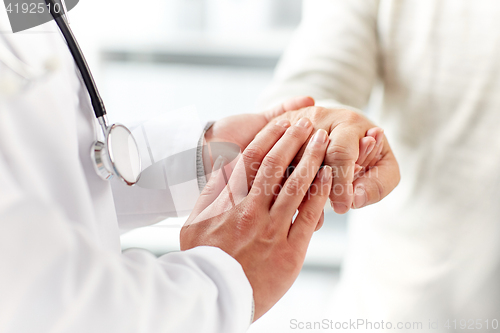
(348, 130)
(373, 174)
(370, 151)
(241, 129)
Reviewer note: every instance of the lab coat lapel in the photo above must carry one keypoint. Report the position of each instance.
(22, 45)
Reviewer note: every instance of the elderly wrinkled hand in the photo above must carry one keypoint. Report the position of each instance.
(348, 131)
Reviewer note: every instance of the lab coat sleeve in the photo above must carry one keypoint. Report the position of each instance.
(169, 184)
(55, 278)
(332, 56)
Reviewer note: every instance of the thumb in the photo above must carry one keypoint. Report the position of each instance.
(377, 183)
(214, 187)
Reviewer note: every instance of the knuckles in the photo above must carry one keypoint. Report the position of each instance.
(268, 236)
(309, 217)
(253, 153)
(296, 133)
(272, 161)
(294, 185)
(208, 190)
(317, 114)
(334, 116)
(339, 153)
(246, 215)
(352, 117)
(316, 154)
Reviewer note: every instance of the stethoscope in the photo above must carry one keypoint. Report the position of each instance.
(118, 154)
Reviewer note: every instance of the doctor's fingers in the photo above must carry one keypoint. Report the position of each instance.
(213, 188)
(378, 182)
(310, 211)
(298, 184)
(274, 166)
(231, 185)
(252, 157)
(292, 104)
(321, 220)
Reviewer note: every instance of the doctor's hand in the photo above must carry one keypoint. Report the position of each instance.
(241, 129)
(256, 228)
(346, 128)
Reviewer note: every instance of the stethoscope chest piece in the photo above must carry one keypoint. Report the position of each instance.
(117, 156)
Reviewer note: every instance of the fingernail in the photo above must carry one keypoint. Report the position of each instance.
(370, 147)
(326, 174)
(359, 197)
(340, 208)
(320, 136)
(219, 163)
(304, 122)
(283, 123)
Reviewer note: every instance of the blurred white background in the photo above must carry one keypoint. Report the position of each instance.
(161, 55)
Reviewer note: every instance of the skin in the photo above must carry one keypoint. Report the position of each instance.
(257, 230)
(346, 129)
(242, 129)
(373, 175)
(238, 214)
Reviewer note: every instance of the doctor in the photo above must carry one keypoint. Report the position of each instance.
(62, 267)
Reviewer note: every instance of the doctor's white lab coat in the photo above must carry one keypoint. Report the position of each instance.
(61, 266)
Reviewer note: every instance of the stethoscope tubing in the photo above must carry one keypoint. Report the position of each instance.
(101, 151)
(88, 79)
